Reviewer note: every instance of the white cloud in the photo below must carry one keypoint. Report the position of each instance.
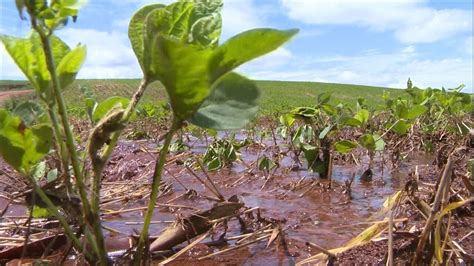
(378, 69)
(410, 20)
(109, 54)
(409, 49)
(8, 68)
(241, 15)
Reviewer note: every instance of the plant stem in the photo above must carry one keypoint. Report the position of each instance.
(436, 206)
(62, 153)
(54, 211)
(126, 116)
(154, 190)
(90, 214)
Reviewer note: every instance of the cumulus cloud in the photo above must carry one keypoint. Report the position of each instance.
(378, 69)
(109, 54)
(410, 20)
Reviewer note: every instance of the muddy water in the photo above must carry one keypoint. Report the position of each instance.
(325, 217)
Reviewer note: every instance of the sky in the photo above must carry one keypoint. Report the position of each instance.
(367, 42)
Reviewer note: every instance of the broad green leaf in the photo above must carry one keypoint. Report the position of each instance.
(304, 112)
(29, 112)
(207, 30)
(39, 212)
(265, 164)
(70, 65)
(182, 71)
(379, 143)
(324, 98)
(401, 127)
(345, 146)
(350, 121)
(107, 105)
(401, 110)
(367, 141)
(232, 104)
(287, 120)
(329, 109)
(325, 131)
(214, 164)
(22, 146)
(363, 116)
(136, 32)
(246, 46)
(179, 20)
(416, 111)
(39, 170)
(29, 56)
(206, 22)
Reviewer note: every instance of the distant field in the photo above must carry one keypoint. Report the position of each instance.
(277, 96)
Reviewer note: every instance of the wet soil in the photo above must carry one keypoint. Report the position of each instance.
(296, 199)
(4, 95)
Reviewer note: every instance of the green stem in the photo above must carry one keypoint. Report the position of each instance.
(90, 214)
(62, 153)
(126, 116)
(55, 212)
(99, 167)
(159, 165)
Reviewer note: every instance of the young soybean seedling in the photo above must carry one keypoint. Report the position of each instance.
(178, 45)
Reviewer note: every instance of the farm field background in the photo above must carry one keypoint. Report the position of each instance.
(276, 96)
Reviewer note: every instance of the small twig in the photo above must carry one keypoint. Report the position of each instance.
(210, 181)
(320, 249)
(234, 248)
(216, 193)
(184, 250)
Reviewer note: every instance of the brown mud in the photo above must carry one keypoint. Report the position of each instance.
(295, 199)
(5, 95)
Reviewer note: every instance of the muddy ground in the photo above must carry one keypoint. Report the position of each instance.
(4, 95)
(296, 200)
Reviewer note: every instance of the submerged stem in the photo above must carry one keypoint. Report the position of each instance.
(154, 191)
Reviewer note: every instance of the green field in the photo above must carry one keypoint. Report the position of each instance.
(277, 96)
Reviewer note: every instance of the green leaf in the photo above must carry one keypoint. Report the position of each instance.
(70, 65)
(304, 112)
(231, 105)
(345, 146)
(214, 164)
(401, 127)
(182, 70)
(29, 112)
(207, 30)
(39, 170)
(108, 105)
(287, 120)
(379, 143)
(29, 56)
(363, 116)
(265, 164)
(324, 98)
(179, 20)
(350, 121)
(136, 32)
(246, 46)
(416, 111)
(39, 212)
(401, 110)
(21, 146)
(325, 131)
(367, 141)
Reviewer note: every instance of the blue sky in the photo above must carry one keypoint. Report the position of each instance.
(370, 42)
